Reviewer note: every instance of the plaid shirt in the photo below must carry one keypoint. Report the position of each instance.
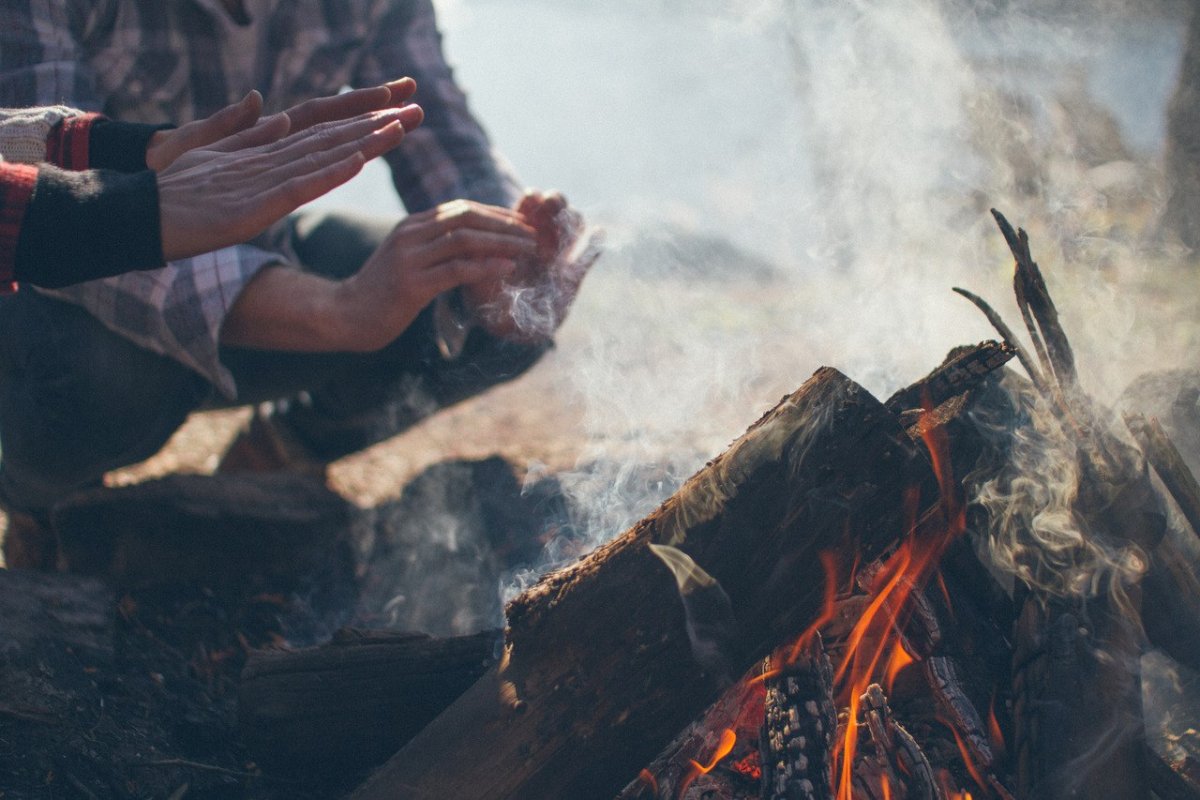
(178, 60)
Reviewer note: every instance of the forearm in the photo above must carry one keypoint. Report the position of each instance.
(283, 308)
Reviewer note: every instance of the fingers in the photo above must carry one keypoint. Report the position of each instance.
(451, 274)
(304, 188)
(473, 243)
(200, 133)
(558, 225)
(333, 135)
(401, 90)
(348, 104)
(288, 167)
(265, 131)
(456, 214)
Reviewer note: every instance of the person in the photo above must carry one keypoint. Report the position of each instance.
(351, 328)
(216, 182)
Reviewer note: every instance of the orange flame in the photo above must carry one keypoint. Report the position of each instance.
(829, 563)
(906, 570)
(724, 748)
(966, 756)
(994, 733)
(897, 662)
(647, 777)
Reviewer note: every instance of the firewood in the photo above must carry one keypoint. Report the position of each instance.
(1169, 464)
(1077, 714)
(231, 533)
(598, 672)
(344, 707)
(798, 729)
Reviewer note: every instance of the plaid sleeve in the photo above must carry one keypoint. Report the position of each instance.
(41, 60)
(177, 310)
(450, 155)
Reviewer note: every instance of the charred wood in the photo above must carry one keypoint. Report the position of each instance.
(800, 721)
(1077, 690)
(599, 671)
(896, 762)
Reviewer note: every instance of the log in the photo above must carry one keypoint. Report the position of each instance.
(1077, 710)
(235, 534)
(343, 708)
(600, 668)
(1167, 461)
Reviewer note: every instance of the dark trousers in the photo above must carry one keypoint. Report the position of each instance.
(77, 400)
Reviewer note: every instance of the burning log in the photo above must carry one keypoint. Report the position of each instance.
(602, 665)
(799, 729)
(1077, 686)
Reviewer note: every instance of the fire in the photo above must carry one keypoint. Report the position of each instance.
(966, 756)
(897, 662)
(829, 563)
(876, 633)
(724, 748)
(875, 649)
(647, 777)
(828, 606)
(994, 733)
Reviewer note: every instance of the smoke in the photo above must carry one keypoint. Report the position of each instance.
(791, 183)
(786, 184)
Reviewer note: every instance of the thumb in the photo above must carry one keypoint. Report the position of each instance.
(202, 132)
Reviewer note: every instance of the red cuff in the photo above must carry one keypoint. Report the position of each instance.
(16, 187)
(67, 145)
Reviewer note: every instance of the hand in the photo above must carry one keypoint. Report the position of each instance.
(228, 191)
(530, 303)
(240, 118)
(455, 244)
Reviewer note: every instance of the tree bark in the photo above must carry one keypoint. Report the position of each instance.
(603, 662)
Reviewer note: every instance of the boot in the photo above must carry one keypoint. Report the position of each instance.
(266, 445)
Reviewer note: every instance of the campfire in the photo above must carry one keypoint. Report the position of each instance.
(946, 595)
(956, 593)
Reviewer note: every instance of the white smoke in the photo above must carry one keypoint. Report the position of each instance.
(791, 183)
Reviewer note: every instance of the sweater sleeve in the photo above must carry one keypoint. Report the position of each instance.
(57, 134)
(16, 188)
(63, 219)
(120, 145)
(82, 225)
(73, 139)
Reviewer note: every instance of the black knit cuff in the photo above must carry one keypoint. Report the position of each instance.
(120, 145)
(85, 225)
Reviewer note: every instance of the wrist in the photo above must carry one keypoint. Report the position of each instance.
(121, 146)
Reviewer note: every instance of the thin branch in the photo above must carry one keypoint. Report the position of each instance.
(1006, 334)
(1037, 308)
